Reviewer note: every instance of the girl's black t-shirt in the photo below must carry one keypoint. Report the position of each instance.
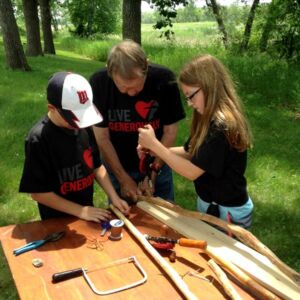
(61, 161)
(223, 181)
(157, 104)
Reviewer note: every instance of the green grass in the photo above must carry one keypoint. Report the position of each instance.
(271, 94)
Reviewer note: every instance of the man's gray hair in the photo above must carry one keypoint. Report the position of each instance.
(128, 60)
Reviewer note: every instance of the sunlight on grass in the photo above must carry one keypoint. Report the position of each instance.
(270, 91)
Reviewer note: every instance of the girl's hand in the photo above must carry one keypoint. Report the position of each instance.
(147, 137)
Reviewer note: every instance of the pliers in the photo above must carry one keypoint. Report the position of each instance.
(36, 244)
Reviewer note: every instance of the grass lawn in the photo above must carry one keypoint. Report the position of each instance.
(270, 91)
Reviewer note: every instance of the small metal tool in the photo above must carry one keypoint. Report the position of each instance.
(36, 244)
(105, 226)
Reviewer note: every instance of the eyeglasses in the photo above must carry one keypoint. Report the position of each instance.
(190, 97)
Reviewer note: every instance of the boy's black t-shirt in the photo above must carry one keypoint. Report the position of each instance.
(223, 181)
(61, 161)
(157, 104)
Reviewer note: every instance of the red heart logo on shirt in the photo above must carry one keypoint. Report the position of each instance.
(143, 108)
(88, 158)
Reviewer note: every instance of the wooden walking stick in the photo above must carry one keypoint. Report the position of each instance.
(228, 288)
(174, 276)
(242, 234)
(262, 292)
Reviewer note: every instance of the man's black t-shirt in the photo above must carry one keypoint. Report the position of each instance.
(157, 104)
(223, 181)
(61, 161)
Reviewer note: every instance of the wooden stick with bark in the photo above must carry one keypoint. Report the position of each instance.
(242, 234)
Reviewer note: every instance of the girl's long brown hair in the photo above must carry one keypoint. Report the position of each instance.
(222, 104)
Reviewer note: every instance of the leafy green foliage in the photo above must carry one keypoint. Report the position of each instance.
(94, 16)
(167, 11)
(269, 88)
(286, 34)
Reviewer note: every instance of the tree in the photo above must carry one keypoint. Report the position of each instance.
(32, 24)
(46, 26)
(216, 11)
(14, 52)
(94, 16)
(132, 20)
(132, 17)
(190, 13)
(282, 29)
(268, 26)
(248, 27)
(168, 11)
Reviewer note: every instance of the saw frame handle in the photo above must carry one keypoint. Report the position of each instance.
(61, 276)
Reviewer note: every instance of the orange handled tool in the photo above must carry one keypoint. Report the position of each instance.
(192, 243)
(167, 243)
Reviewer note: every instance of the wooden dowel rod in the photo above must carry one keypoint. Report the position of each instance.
(242, 234)
(228, 288)
(262, 292)
(174, 276)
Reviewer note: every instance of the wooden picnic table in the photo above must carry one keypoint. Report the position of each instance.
(76, 249)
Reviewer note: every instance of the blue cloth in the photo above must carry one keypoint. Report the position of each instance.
(164, 187)
(240, 215)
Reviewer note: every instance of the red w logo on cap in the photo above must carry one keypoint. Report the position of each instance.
(83, 97)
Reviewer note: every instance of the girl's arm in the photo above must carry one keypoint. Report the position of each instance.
(174, 157)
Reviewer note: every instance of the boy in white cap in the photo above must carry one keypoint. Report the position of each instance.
(61, 156)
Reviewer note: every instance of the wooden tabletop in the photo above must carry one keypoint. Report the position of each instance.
(76, 250)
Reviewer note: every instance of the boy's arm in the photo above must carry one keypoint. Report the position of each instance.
(104, 181)
(88, 213)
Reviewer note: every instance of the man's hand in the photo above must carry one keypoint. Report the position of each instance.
(129, 189)
(146, 187)
(90, 213)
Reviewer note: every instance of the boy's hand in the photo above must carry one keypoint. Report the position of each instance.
(90, 213)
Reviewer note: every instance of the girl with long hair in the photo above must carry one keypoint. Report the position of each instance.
(215, 154)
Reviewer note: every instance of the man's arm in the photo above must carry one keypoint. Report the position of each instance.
(103, 179)
(128, 186)
(88, 213)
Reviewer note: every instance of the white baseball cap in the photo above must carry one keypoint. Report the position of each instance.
(72, 95)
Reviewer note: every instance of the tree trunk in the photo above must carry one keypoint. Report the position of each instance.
(216, 11)
(268, 27)
(32, 24)
(248, 27)
(90, 17)
(132, 20)
(46, 26)
(15, 57)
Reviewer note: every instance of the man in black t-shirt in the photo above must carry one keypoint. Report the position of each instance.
(131, 93)
(61, 155)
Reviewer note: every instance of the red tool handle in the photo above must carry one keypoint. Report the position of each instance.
(192, 243)
(60, 276)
